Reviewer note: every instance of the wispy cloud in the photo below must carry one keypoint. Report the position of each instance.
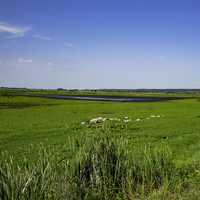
(13, 31)
(50, 63)
(68, 44)
(42, 37)
(24, 60)
(162, 58)
(13, 36)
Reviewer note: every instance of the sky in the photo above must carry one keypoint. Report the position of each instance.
(87, 44)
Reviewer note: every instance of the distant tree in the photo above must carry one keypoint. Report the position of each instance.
(4, 92)
(60, 89)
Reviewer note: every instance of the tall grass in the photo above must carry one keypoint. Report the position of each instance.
(101, 168)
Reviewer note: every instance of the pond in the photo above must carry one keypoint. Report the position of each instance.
(109, 98)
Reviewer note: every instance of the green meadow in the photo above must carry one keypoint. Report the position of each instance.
(28, 120)
(61, 129)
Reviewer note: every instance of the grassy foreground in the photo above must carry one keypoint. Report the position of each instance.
(46, 153)
(101, 168)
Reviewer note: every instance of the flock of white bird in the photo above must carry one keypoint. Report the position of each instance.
(124, 119)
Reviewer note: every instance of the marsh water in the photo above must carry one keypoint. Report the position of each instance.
(109, 98)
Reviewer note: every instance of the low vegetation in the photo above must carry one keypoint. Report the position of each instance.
(100, 168)
(98, 150)
(104, 92)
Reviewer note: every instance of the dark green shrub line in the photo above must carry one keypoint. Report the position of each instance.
(103, 168)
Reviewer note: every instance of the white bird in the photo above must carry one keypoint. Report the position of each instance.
(96, 120)
(126, 120)
(114, 119)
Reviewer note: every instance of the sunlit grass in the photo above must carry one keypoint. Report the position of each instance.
(101, 168)
(117, 158)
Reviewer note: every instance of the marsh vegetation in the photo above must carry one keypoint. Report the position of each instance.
(57, 149)
(99, 168)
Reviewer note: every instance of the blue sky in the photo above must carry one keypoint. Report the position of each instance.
(100, 43)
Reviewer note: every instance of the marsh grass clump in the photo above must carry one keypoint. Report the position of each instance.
(109, 170)
(29, 180)
(149, 170)
(101, 168)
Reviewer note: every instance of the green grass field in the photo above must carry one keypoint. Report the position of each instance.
(27, 121)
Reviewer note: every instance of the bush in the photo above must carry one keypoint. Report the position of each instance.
(4, 92)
